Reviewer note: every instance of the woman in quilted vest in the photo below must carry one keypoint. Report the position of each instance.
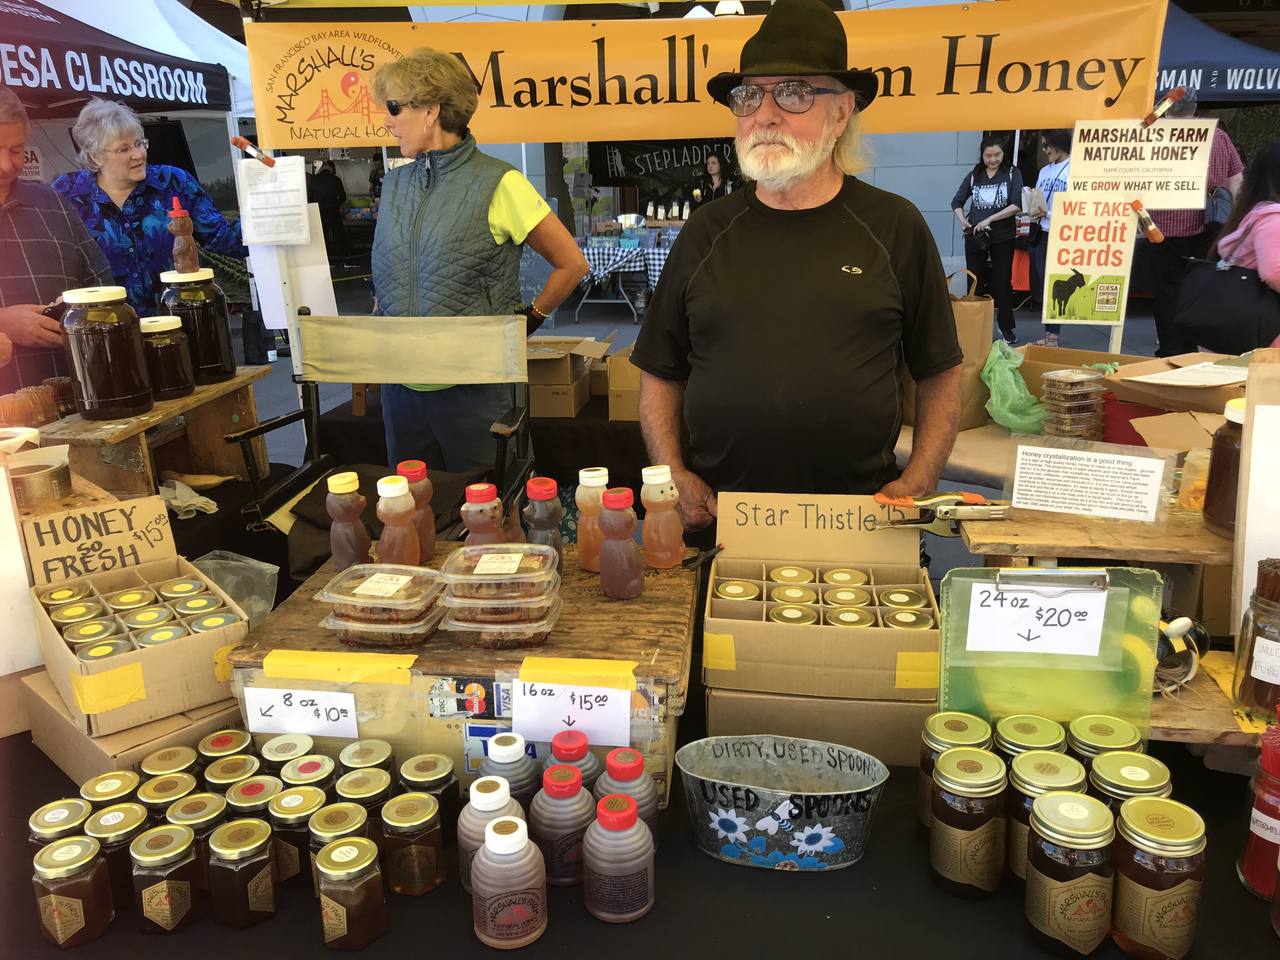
(451, 228)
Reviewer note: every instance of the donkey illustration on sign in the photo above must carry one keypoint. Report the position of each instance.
(1063, 289)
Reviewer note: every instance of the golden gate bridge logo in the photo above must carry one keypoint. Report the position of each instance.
(360, 104)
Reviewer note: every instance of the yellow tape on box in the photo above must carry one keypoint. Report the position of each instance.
(390, 668)
(916, 670)
(719, 652)
(222, 662)
(109, 690)
(616, 674)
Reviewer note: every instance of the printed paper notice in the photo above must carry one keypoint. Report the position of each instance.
(1087, 483)
(1022, 621)
(317, 713)
(273, 202)
(1164, 165)
(1086, 274)
(541, 710)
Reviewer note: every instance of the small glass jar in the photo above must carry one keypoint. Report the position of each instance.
(106, 789)
(72, 886)
(942, 731)
(53, 821)
(1159, 864)
(92, 631)
(1222, 487)
(114, 828)
(413, 844)
(361, 754)
(147, 618)
(169, 760)
(1031, 775)
(134, 598)
(97, 652)
(80, 611)
(1121, 774)
(242, 873)
(223, 774)
(165, 891)
(249, 798)
(289, 811)
(1069, 873)
(1093, 734)
(179, 588)
(278, 751)
(202, 306)
(433, 773)
(1255, 687)
(223, 743)
(203, 813)
(160, 793)
(313, 770)
(168, 358)
(338, 821)
(157, 636)
(353, 910)
(65, 593)
(371, 788)
(966, 841)
(198, 605)
(1025, 731)
(104, 348)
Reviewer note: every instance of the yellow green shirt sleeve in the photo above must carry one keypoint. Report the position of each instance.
(516, 208)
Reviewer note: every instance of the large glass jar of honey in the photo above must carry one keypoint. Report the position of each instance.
(104, 351)
(203, 308)
(1069, 873)
(1033, 774)
(353, 910)
(413, 844)
(166, 893)
(941, 732)
(73, 891)
(967, 838)
(114, 828)
(203, 813)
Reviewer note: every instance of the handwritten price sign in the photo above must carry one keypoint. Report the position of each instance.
(541, 710)
(317, 713)
(1008, 621)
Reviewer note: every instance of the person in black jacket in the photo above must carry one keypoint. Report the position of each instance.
(329, 194)
(993, 190)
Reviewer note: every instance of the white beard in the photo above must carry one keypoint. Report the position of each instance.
(778, 161)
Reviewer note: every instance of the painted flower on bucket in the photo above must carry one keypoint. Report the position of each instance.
(728, 825)
(814, 839)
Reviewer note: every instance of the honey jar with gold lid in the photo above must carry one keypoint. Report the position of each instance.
(114, 827)
(850, 617)
(793, 594)
(175, 759)
(844, 577)
(360, 754)
(1033, 774)
(225, 772)
(1094, 734)
(737, 590)
(133, 598)
(251, 796)
(847, 597)
(58, 819)
(968, 833)
(72, 887)
(241, 873)
(78, 611)
(65, 593)
(166, 893)
(791, 573)
(1069, 873)
(794, 614)
(907, 619)
(1021, 732)
(289, 811)
(278, 751)
(1116, 776)
(942, 731)
(160, 793)
(902, 598)
(223, 743)
(106, 789)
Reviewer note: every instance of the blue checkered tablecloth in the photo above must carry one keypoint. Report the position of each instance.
(604, 261)
(654, 260)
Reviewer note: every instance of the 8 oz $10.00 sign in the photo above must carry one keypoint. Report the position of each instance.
(1012, 621)
(317, 713)
(541, 710)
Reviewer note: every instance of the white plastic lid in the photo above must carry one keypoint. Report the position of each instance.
(506, 835)
(506, 747)
(1234, 410)
(173, 276)
(160, 324)
(656, 475)
(393, 487)
(490, 793)
(94, 295)
(593, 477)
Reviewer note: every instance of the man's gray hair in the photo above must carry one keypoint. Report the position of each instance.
(100, 122)
(850, 154)
(11, 108)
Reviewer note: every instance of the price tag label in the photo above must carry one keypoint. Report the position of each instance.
(383, 585)
(1019, 621)
(317, 713)
(498, 563)
(541, 710)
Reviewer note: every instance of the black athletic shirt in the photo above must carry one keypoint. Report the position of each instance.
(787, 326)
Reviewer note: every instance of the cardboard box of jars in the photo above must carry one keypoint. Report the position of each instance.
(126, 546)
(766, 538)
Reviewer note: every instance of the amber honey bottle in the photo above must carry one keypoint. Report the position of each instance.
(73, 891)
(242, 873)
(413, 844)
(1069, 873)
(967, 839)
(353, 910)
(942, 731)
(166, 894)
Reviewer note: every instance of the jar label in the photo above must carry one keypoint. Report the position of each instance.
(296, 800)
(166, 903)
(564, 855)
(1136, 774)
(618, 894)
(1018, 832)
(511, 915)
(413, 868)
(1268, 828)
(333, 917)
(287, 865)
(66, 853)
(971, 857)
(382, 585)
(1266, 660)
(345, 853)
(109, 786)
(1163, 920)
(63, 917)
(112, 818)
(1076, 912)
(262, 891)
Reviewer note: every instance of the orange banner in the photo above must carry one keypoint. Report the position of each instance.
(1019, 64)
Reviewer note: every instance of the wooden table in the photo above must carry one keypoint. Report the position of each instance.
(1202, 716)
(654, 630)
(126, 456)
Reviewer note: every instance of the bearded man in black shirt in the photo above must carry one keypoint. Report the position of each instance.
(777, 326)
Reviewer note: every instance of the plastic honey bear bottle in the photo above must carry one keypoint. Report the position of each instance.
(482, 515)
(399, 541)
(592, 482)
(348, 539)
(621, 565)
(663, 531)
(424, 518)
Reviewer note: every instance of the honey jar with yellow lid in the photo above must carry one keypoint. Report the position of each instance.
(65, 593)
(72, 887)
(225, 772)
(133, 598)
(158, 636)
(791, 573)
(175, 759)
(147, 617)
(96, 652)
(92, 631)
(844, 577)
(166, 892)
(160, 793)
(180, 588)
(198, 605)
(78, 611)
(793, 594)
(850, 617)
(847, 597)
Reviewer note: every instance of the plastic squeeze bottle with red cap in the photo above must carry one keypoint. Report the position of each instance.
(621, 565)
(570, 747)
(558, 817)
(617, 857)
(625, 774)
(348, 538)
(399, 540)
(592, 482)
(509, 887)
(663, 531)
(186, 255)
(543, 514)
(482, 515)
(424, 518)
(490, 799)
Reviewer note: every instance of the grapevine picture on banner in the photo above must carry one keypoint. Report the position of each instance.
(1090, 255)
(1164, 165)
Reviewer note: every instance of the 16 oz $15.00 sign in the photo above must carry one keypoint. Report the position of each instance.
(541, 710)
(1011, 621)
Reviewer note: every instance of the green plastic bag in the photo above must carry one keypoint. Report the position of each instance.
(1011, 404)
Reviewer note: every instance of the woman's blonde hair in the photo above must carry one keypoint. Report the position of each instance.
(427, 77)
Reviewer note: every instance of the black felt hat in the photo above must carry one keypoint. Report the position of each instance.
(798, 38)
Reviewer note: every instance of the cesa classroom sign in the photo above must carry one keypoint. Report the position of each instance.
(964, 67)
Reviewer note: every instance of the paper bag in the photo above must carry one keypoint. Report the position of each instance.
(974, 317)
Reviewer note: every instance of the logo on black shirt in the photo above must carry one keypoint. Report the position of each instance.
(855, 271)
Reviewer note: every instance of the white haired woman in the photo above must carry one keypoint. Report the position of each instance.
(124, 202)
(451, 229)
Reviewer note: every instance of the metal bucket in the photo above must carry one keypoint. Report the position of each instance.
(780, 803)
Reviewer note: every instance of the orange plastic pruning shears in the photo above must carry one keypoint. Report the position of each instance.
(940, 513)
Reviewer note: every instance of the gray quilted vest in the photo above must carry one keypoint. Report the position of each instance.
(433, 254)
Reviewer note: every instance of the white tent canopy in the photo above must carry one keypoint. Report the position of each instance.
(169, 27)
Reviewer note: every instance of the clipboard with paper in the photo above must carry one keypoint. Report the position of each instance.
(1060, 642)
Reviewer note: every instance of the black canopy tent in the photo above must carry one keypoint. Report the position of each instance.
(1223, 70)
(55, 63)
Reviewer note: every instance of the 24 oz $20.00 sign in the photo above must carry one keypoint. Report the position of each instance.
(1012, 621)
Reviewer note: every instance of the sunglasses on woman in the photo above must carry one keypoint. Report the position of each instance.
(793, 96)
(395, 106)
